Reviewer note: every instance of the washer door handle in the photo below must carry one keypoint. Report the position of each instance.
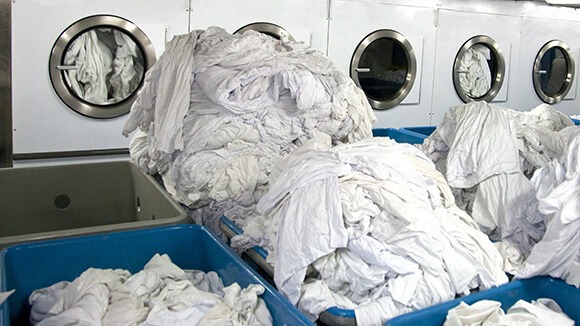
(363, 70)
(64, 67)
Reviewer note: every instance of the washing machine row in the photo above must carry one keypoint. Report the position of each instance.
(383, 64)
(410, 72)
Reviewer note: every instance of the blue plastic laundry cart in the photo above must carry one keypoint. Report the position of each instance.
(36, 265)
(567, 297)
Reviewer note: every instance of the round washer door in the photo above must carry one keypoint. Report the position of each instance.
(553, 71)
(384, 67)
(273, 30)
(98, 64)
(479, 69)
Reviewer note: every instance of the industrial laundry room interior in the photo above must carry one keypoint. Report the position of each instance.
(365, 162)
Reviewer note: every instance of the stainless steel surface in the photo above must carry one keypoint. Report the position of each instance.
(61, 45)
(569, 78)
(497, 80)
(5, 85)
(411, 69)
(65, 67)
(267, 28)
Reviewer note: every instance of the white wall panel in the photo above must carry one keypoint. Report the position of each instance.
(305, 20)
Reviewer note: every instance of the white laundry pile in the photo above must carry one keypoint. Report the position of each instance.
(370, 226)
(474, 72)
(160, 294)
(540, 312)
(557, 188)
(217, 110)
(92, 59)
(127, 67)
(488, 153)
(108, 66)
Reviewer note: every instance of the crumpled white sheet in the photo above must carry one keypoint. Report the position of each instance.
(474, 73)
(127, 67)
(160, 294)
(487, 154)
(540, 312)
(382, 235)
(229, 106)
(557, 188)
(93, 60)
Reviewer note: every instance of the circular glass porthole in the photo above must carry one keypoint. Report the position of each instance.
(479, 69)
(553, 71)
(384, 67)
(98, 64)
(270, 29)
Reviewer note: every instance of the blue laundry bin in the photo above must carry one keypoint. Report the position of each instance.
(566, 295)
(400, 135)
(423, 130)
(31, 266)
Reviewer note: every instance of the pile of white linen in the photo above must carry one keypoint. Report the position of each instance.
(474, 72)
(93, 61)
(370, 226)
(487, 154)
(217, 110)
(160, 294)
(557, 188)
(127, 67)
(541, 312)
(108, 66)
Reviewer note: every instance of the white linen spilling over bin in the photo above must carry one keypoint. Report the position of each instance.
(370, 226)
(540, 312)
(217, 110)
(557, 188)
(160, 294)
(488, 155)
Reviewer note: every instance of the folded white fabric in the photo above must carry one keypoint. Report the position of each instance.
(160, 294)
(540, 312)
